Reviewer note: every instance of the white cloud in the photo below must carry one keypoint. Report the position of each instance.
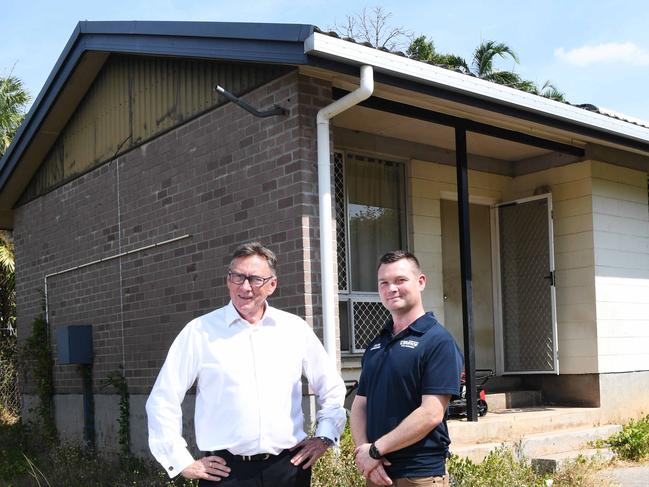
(613, 52)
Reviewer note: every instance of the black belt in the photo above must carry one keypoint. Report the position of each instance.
(259, 457)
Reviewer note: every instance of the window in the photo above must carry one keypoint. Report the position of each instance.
(370, 217)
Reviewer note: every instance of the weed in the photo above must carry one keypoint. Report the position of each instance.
(581, 472)
(500, 468)
(336, 468)
(632, 443)
(37, 357)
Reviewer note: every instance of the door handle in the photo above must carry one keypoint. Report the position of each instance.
(551, 277)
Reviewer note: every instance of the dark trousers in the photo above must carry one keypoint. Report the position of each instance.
(275, 472)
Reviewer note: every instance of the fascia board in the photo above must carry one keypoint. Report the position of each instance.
(280, 52)
(229, 30)
(329, 47)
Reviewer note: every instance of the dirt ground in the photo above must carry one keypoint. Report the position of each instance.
(625, 475)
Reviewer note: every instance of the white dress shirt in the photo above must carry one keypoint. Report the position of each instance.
(249, 388)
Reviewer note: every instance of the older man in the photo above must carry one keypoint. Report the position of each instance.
(410, 371)
(247, 360)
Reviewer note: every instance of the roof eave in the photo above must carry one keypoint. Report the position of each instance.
(390, 64)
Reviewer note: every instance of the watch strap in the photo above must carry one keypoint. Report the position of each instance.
(374, 452)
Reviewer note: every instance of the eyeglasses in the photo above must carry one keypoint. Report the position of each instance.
(254, 281)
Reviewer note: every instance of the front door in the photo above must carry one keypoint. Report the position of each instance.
(482, 282)
(526, 302)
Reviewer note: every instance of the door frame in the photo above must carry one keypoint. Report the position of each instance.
(497, 290)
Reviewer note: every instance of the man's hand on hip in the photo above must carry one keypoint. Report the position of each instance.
(309, 450)
(207, 468)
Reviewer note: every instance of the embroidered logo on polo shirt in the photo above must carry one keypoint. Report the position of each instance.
(408, 343)
(376, 346)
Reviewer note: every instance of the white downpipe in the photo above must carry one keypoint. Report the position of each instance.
(363, 92)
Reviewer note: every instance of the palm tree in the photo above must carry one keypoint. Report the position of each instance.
(482, 65)
(13, 100)
(7, 281)
(551, 91)
(482, 62)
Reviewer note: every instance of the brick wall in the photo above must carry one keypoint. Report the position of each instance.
(223, 178)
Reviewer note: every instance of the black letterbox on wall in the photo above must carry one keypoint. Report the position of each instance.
(74, 344)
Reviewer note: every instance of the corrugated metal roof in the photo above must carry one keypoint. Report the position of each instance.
(586, 106)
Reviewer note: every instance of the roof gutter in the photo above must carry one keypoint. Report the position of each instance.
(363, 92)
(328, 47)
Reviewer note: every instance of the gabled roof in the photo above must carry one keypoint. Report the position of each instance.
(289, 44)
(88, 48)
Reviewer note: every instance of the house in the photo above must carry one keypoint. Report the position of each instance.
(131, 180)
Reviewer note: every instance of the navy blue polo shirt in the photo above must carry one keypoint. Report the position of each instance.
(422, 359)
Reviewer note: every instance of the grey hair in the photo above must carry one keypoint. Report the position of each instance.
(248, 249)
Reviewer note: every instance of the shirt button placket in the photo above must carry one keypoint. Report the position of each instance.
(252, 334)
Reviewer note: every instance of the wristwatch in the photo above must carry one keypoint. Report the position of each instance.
(327, 441)
(374, 452)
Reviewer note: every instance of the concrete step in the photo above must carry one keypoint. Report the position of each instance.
(538, 445)
(514, 424)
(542, 446)
(555, 462)
(513, 399)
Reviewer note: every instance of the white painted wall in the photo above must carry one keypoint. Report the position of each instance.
(621, 236)
(429, 183)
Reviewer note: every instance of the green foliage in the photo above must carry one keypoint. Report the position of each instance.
(118, 381)
(13, 101)
(337, 468)
(12, 445)
(37, 356)
(632, 443)
(26, 462)
(422, 49)
(7, 283)
(9, 394)
(85, 371)
(581, 472)
(484, 55)
(499, 469)
(482, 65)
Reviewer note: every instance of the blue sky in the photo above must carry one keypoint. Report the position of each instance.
(594, 51)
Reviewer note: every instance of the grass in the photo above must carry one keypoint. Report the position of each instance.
(24, 462)
(503, 467)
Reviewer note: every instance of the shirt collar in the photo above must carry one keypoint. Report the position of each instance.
(232, 316)
(420, 326)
